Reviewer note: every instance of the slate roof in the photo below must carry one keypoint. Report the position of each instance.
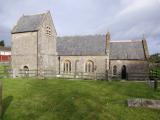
(28, 23)
(127, 50)
(95, 46)
(5, 48)
(81, 45)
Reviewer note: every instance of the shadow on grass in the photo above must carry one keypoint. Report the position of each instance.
(5, 104)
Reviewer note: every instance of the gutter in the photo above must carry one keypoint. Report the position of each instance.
(24, 31)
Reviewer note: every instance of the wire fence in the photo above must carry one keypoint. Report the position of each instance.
(81, 75)
(154, 74)
(70, 75)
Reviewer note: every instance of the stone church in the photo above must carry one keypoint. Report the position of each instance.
(37, 48)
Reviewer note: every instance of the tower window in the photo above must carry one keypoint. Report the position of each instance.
(48, 30)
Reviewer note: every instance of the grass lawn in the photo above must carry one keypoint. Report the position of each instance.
(32, 99)
(156, 72)
(3, 70)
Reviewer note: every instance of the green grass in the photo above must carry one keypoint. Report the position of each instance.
(4, 70)
(155, 72)
(32, 99)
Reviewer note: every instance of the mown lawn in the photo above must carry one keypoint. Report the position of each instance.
(31, 99)
(156, 72)
(3, 70)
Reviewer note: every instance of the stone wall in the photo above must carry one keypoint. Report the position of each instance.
(24, 51)
(36, 50)
(47, 44)
(136, 69)
(78, 63)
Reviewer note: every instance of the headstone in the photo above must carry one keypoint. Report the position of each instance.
(148, 103)
(134, 102)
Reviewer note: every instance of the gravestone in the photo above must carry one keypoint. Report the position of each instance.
(140, 102)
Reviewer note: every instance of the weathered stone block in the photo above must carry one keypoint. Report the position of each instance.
(148, 103)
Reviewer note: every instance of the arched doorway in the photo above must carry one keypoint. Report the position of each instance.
(124, 72)
(26, 71)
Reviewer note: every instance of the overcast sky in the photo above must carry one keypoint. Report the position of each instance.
(125, 19)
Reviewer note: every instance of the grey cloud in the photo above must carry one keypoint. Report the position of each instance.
(5, 35)
(132, 23)
(125, 19)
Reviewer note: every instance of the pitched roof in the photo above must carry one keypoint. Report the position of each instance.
(95, 46)
(5, 48)
(28, 23)
(127, 50)
(81, 45)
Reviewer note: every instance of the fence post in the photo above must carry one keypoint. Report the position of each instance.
(155, 84)
(81, 75)
(107, 76)
(95, 75)
(156, 73)
(0, 99)
(74, 74)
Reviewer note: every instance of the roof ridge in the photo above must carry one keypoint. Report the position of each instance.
(81, 35)
(35, 14)
(125, 41)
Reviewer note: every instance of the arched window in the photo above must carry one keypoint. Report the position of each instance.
(89, 66)
(26, 70)
(114, 70)
(67, 66)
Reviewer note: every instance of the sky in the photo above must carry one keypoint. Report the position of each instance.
(124, 19)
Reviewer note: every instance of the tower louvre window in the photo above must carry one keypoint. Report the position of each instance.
(48, 30)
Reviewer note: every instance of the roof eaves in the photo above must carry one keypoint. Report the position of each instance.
(24, 31)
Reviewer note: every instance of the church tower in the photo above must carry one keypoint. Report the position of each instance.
(34, 44)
